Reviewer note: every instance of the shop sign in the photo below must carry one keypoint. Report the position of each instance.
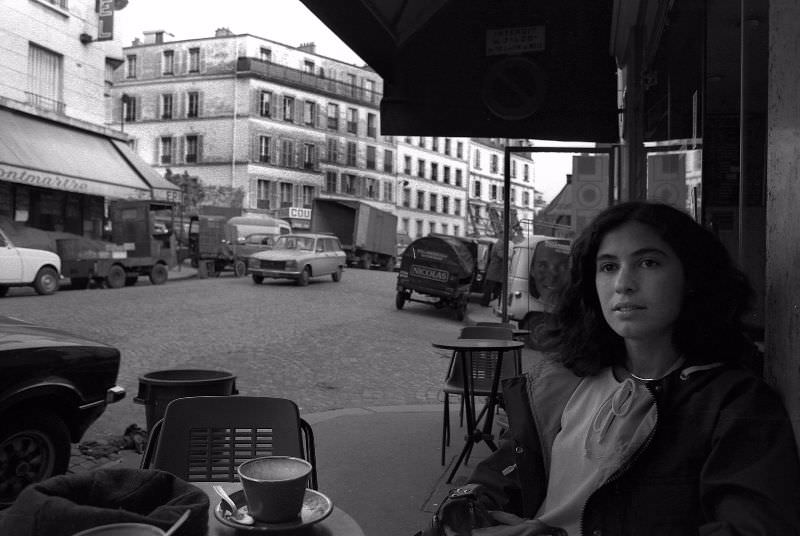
(44, 179)
(105, 26)
(170, 196)
(294, 213)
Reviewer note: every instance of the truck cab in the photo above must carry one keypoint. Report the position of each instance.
(20, 266)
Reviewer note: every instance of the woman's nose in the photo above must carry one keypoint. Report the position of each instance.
(625, 281)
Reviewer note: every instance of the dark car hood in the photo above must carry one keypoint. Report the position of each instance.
(17, 334)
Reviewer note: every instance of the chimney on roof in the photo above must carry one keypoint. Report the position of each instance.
(223, 32)
(308, 47)
(155, 37)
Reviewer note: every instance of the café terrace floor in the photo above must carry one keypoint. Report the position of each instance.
(380, 464)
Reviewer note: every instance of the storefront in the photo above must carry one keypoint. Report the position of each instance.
(58, 177)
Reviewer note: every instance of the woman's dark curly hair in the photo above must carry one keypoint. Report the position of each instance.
(709, 327)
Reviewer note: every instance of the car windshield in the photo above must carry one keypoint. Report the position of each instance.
(295, 242)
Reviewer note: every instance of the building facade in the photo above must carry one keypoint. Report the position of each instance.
(271, 127)
(59, 163)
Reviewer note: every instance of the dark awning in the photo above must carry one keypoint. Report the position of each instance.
(512, 69)
(47, 154)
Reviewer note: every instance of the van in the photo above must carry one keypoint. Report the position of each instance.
(538, 270)
(238, 228)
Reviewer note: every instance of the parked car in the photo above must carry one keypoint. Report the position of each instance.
(53, 385)
(299, 256)
(19, 267)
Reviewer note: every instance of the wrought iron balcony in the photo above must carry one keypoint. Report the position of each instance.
(45, 103)
(298, 78)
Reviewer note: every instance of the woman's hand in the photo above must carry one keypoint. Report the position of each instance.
(517, 526)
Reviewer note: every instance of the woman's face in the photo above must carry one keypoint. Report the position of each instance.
(549, 271)
(640, 283)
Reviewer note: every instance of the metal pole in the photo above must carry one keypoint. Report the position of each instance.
(506, 231)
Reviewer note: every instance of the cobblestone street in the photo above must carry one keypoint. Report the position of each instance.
(326, 346)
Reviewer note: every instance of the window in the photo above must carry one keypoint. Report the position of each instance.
(525, 172)
(421, 168)
(372, 128)
(447, 146)
(287, 153)
(265, 104)
(407, 139)
(406, 197)
(407, 165)
(434, 171)
(457, 207)
(493, 191)
(388, 192)
(369, 85)
(432, 227)
(45, 78)
(310, 113)
(406, 224)
(287, 194)
(457, 230)
(388, 161)
(493, 165)
(418, 225)
(445, 204)
(420, 200)
(308, 195)
(333, 150)
(330, 182)
(476, 192)
(421, 142)
(526, 199)
(351, 153)
(168, 62)
(458, 177)
(166, 106)
(194, 60)
(371, 188)
(352, 120)
(263, 188)
(193, 104)
(264, 148)
(192, 149)
(265, 54)
(349, 184)
(435, 144)
(166, 150)
(513, 169)
(446, 175)
(444, 228)
(130, 66)
(433, 202)
(129, 108)
(333, 116)
(460, 149)
(309, 156)
(477, 159)
(308, 66)
(371, 157)
(288, 108)
(351, 81)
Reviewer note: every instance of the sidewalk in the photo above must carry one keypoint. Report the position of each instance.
(380, 464)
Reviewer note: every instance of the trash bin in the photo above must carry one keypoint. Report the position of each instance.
(159, 388)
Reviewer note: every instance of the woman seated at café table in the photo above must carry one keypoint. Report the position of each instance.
(645, 419)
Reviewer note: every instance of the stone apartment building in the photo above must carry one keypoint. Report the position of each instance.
(59, 163)
(272, 127)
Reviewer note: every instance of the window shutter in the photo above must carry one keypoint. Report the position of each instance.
(318, 116)
(180, 112)
(273, 150)
(298, 153)
(180, 153)
(298, 112)
(255, 100)
(273, 102)
(320, 148)
(183, 63)
(157, 152)
(200, 149)
(202, 59)
(137, 111)
(200, 100)
(254, 148)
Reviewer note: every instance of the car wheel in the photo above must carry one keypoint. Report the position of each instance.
(461, 311)
(116, 277)
(258, 279)
(366, 261)
(239, 268)
(46, 281)
(400, 299)
(337, 275)
(305, 275)
(31, 450)
(3, 290)
(159, 274)
(131, 280)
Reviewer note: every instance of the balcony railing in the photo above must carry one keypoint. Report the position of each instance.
(45, 103)
(282, 73)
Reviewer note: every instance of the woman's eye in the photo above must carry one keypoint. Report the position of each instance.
(606, 267)
(649, 263)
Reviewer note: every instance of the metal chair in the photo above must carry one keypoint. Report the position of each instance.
(205, 438)
(483, 366)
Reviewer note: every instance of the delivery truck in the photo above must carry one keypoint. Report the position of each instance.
(368, 234)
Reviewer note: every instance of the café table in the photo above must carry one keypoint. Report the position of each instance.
(338, 523)
(463, 349)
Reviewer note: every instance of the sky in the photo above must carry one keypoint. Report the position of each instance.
(285, 21)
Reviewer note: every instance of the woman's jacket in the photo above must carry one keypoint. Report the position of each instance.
(720, 457)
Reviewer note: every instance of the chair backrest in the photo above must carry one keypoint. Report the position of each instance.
(483, 363)
(205, 438)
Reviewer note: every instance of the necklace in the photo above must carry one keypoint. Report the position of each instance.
(678, 362)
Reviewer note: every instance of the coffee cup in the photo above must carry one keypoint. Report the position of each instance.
(122, 529)
(274, 487)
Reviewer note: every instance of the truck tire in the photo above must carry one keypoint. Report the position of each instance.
(366, 261)
(159, 274)
(36, 447)
(305, 275)
(337, 275)
(239, 268)
(400, 299)
(3, 290)
(46, 281)
(258, 279)
(116, 277)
